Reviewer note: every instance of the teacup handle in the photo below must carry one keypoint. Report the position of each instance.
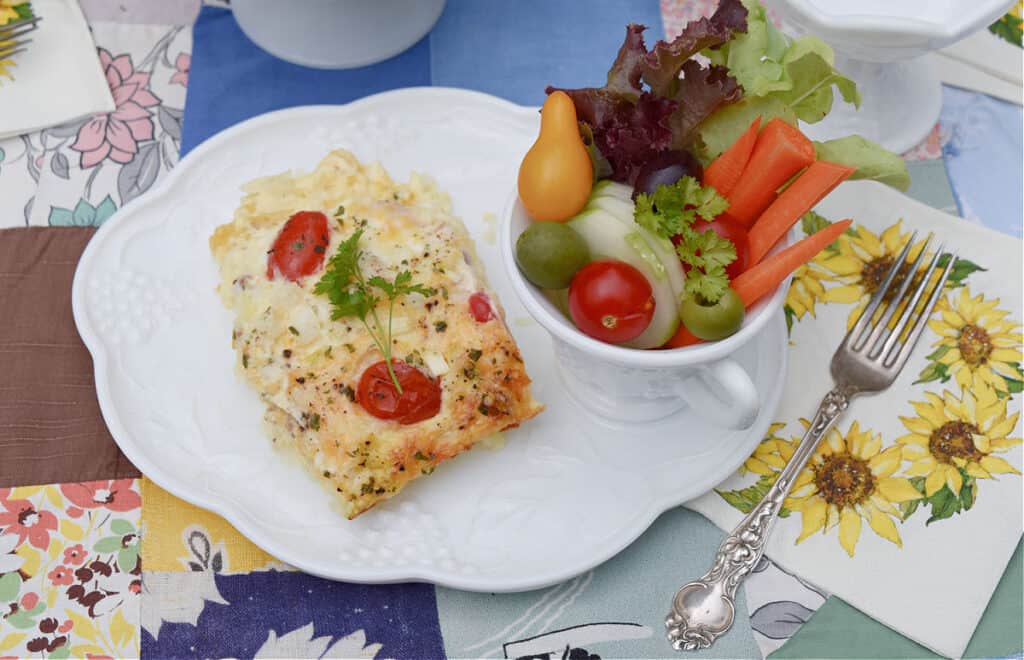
(723, 393)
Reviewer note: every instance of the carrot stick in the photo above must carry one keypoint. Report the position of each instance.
(683, 337)
(724, 173)
(780, 152)
(810, 187)
(762, 279)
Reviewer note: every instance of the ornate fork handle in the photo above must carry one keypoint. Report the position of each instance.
(704, 609)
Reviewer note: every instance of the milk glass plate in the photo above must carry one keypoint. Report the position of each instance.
(565, 493)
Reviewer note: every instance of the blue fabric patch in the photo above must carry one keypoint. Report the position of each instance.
(516, 49)
(232, 79)
(510, 49)
(401, 617)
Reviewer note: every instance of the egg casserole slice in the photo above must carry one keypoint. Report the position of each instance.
(308, 367)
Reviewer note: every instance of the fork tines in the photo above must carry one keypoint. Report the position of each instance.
(879, 334)
(10, 44)
(12, 48)
(22, 24)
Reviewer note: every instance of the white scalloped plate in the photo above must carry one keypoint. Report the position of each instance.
(563, 495)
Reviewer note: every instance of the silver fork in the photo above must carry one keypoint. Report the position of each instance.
(10, 43)
(867, 361)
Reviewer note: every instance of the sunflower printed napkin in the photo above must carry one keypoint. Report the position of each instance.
(58, 78)
(912, 506)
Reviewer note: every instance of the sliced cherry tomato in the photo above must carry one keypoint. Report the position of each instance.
(420, 398)
(480, 307)
(732, 230)
(300, 246)
(611, 301)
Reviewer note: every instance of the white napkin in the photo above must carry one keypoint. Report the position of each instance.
(983, 63)
(930, 575)
(58, 78)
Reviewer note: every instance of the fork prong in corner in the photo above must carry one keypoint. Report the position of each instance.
(854, 335)
(895, 356)
(873, 345)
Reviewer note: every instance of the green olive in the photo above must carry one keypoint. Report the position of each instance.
(713, 321)
(550, 253)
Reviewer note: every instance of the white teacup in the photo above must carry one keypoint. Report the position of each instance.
(633, 386)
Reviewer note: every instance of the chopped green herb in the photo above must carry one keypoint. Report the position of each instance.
(483, 409)
(245, 360)
(340, 211)
(350, 348)
(419, 456)
(440, 326)
(314, 421)
(298, 245)
(415, 359)
(474, 354)
(329, 350)
(349, 392)
(292, 329)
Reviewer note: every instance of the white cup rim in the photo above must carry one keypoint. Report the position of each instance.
(754, 323)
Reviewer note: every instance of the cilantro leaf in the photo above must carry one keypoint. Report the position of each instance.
(401, 286)
(387, 287)
(709, 283)
(672, 209)
(670, 212)
(713, 249)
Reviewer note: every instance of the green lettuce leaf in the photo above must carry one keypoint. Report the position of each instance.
(755, 58)
(811, 75)
(872, 160)
(720, 130)
(799, 72)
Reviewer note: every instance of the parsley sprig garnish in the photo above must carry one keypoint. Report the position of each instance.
(351, 294)
(671, 211)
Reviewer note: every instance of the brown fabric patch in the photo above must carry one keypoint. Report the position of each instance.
(51, 430)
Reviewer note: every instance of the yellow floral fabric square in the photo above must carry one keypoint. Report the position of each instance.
(182, 537)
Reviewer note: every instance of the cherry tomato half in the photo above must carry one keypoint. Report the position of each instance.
(420, 398)
(299, 248)
(480, 307)
(733, 231)
(611, 301)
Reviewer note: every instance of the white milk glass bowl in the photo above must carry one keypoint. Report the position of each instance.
(632, 386)
(883, 45)
(336, 34)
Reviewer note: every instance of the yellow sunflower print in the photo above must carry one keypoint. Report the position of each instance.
(7, 11)
(850, 480)
(806, 289)
(12, 10)
(862, 263)
(771, 455)
(977, 345)
(951, 437)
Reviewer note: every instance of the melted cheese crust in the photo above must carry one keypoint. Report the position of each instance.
(307, 367)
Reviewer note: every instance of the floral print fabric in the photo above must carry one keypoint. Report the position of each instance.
(80, 173)
(70, 572)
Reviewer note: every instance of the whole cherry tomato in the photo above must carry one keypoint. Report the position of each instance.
(420, 398)
(299, 248)
(611, 301)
